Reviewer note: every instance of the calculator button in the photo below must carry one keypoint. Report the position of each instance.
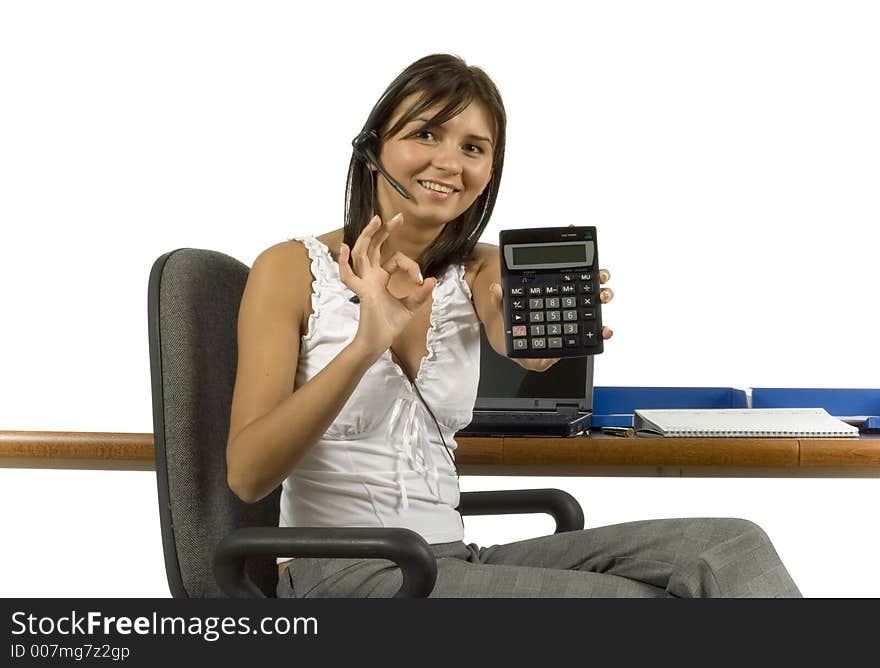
(552, 316)
(571, 341)
(589, 337)
(551, 290)
(570, 316)
(519, 330)
(520, 344)
(587, 287)
(518, 304)
(554, 342)
(587, 300)
(517, 317)
(568, 302)
(536, 303)
(537, 330)
(517, 292)
(588, 315)
(585, 277)
(568, 289)
(537, 316)
(535, 290)
(567, 278)
(570, 328)
(553, 302)
(539, 343)
(554, 330)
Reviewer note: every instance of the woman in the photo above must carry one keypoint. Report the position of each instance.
(375, 328)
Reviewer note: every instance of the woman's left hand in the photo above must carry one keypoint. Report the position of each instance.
(542, 364)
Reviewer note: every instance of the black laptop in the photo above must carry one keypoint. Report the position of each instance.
(514, 402)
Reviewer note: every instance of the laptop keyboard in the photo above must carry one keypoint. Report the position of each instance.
(527, 418)
(515, 423)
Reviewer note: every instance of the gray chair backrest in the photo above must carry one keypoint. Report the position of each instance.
(193, 301)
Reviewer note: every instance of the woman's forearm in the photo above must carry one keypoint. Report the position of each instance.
(264, 453)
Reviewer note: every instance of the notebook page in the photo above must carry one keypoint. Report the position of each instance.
(743, 422)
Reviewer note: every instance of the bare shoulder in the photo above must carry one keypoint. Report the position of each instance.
(484, 255)
(332, 240)
(282, 262)
(485, 252)
(292, 256)
(282, 274)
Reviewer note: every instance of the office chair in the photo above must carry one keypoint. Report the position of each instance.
(215, 545)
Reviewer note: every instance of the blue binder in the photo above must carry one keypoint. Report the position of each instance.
(614, 406)
(840, 402)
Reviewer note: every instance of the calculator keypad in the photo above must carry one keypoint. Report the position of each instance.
(555, 313)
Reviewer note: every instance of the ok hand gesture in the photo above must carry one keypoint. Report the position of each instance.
(383, 316)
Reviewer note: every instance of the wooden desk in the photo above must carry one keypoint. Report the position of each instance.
(598, 455)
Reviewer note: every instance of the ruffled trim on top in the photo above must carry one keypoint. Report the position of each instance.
(464, 284)
(439, 297)
(440, 311)
(325, 277)
(443, 309)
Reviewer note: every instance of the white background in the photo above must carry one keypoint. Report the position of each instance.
(727, 153)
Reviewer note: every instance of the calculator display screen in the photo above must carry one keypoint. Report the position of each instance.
(550, 255)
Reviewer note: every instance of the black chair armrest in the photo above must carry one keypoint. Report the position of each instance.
(404, 547)
(564, 508)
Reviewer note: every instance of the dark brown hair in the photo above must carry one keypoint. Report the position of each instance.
(440, 79)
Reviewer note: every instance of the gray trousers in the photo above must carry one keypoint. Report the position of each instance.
(653, 558)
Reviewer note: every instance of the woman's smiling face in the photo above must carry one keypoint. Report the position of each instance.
(444, 168)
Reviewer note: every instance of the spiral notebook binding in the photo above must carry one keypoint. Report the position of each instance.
(698, 433)
(741, 423)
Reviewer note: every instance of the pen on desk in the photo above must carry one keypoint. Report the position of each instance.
(618, 431)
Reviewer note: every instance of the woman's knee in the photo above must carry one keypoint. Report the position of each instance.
(735, 527)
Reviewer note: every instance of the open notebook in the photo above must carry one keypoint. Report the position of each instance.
(742, 422)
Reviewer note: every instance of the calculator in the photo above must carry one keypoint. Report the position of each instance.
(550, 279)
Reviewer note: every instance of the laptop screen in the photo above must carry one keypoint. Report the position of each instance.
(505, 384)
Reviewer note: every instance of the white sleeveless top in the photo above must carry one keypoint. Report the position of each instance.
(381, 463)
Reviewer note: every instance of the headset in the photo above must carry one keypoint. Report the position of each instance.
(365, 146)
(362, 145)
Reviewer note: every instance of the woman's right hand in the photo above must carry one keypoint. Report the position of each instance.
(383, 316)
